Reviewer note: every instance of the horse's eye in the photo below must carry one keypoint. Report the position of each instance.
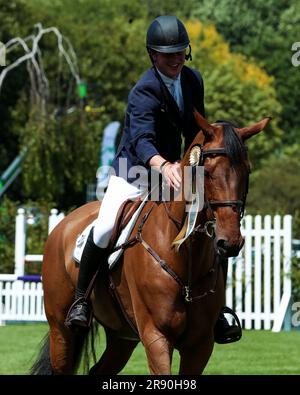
(206, 173)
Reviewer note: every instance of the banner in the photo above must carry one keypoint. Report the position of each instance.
(107, 155)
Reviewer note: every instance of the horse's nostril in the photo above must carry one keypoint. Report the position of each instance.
(221, 247)
(222, 244)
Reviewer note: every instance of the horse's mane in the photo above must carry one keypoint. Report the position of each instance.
(233, 144)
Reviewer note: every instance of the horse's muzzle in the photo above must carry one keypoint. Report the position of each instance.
(227, 250)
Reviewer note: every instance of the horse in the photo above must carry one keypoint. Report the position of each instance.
(165, 296)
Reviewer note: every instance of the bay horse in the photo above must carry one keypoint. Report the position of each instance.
(165, 297)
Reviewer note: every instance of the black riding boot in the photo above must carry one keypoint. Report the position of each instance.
(92, 258)
(224, 332)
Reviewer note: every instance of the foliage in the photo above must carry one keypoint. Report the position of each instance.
(295, 278)
(235, 89)
(275, 188)
(62, 156)
(35, 236)
(182, 9)
(264, 30)
(8, 211)
(15, 19)
(109, 40)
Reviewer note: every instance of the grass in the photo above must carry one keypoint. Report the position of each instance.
(258, 353)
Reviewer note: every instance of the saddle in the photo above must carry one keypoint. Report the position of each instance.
(126, 218)
(125, 213)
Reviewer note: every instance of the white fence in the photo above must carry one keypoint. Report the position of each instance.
(20, 240)
(23, 300)
(258, 284)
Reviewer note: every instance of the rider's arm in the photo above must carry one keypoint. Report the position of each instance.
(144, 106)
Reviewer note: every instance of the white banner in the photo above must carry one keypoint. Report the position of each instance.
(108, 151)
(2, 54)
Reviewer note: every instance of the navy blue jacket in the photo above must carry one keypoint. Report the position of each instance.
(153, 123)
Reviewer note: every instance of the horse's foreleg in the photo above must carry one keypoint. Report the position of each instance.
(116, 355)
(158, 349)
(194, 355)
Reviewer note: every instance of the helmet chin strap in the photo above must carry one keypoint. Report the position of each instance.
(189, 55)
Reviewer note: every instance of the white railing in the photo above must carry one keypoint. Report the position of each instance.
(21, 301)
(258, 283)
(20, 239)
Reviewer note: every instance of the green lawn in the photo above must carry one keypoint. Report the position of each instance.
(259, 352)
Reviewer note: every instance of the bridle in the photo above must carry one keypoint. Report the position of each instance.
(209, 205)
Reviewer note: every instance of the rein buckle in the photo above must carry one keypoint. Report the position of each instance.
(187, 292)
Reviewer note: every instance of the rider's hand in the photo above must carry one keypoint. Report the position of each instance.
(172, 174)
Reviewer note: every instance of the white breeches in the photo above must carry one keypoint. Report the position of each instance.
(117, 192)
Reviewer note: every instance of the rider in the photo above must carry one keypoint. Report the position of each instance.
(160, 105)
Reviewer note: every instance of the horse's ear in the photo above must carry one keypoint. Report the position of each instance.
(207, 128)
(249, 131)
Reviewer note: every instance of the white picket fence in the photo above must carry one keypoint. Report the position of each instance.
(21, 301)
(258, 284)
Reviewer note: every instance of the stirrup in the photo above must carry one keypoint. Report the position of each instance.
(233, 333)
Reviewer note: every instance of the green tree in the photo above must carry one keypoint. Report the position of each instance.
(15, 19)
(35, 234)
(109, 40)
(264, 30)
(235, 89)
(275, 188)
(8, 210)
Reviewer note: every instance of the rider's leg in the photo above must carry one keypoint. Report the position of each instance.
(224, 332)
(95, 251)
(93, 258)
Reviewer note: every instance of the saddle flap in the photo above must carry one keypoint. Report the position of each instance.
(125, 213)
(81, 242)
(127, 216)
(130, 219)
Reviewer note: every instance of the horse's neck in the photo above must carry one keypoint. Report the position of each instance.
(177, 210)
(202, 252)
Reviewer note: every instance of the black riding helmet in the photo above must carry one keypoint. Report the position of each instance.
(167, 34)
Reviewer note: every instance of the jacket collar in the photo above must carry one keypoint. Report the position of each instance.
(172, 105)
(187, 92)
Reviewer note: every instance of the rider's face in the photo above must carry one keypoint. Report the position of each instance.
(169, 64)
